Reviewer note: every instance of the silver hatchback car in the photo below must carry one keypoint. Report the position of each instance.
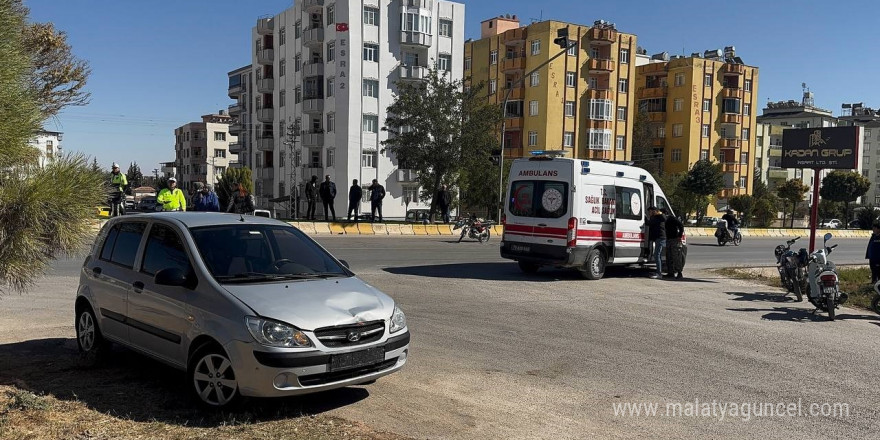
(248, 306)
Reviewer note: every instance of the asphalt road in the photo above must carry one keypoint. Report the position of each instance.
(499, 354)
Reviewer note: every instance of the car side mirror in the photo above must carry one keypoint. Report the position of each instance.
(171, 277)
(345, 263)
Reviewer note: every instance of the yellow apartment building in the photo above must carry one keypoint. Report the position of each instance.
(702, 107)
(580, 103)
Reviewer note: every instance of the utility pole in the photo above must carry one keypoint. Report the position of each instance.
(292, 136)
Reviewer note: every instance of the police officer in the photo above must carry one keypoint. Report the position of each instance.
(118, 182)
(171, 197)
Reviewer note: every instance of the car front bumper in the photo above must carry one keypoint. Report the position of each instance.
(276, 373)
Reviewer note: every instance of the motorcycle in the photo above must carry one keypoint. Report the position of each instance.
(787, 263)
(724, 236)
(473, 228)
(824, 284)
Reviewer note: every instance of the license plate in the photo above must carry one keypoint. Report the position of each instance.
(828, 290)
(520, 248)
(346, 361)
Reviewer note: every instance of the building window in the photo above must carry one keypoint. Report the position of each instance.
(218, 136)
(282, 97)
(297, 95)
(730, 105)
(624, 56)
(747, 85)
(600, 109)
(493, 86)
(282, 36)
(534, 79)
(297, 29)
(219, 152)
(745, 134)
(747, 109)
(371, 123)
(533, 108)
(676, 154)
(677, 130)
(569, 79)
(331, 51)
(331, 13)
(445, 28)
(744, 158)
(331, 122)
(533, 138)
(621, 143)
(371, 88)
(371, 16)
(705, 132)
(704, 155)
(679, 79)
(621, 113)
(572, 51)
(297, 63)
(623, 85)
(593, 83)
(742, 182)
(568, 139)
(536, 47)
(444, 63)
(410, 192)
(678, 104)
(600, 140)
(368, 159)
(868, 134)
(282, 67)
(331, 157)
(493, 57)
(707, 105)
(707, 80)
(467, 63)
(371, 52)
(569, 108)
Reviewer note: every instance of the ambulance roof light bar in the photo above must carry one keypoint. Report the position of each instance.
(547, 153)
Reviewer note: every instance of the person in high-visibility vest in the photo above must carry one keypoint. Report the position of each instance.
(118, 182)
(172, 198)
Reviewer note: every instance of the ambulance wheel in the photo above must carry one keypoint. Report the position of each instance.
(594, 267)
(528, 267)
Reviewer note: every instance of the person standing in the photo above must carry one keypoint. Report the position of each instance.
(118, 182)
(444, 199)
(377, 193)
(171, 197)
(657, 235)
(241, 201)
(354, 199)
(205, 199)
(873, 253)
(327, 192)
(674, 247)
(312, 197)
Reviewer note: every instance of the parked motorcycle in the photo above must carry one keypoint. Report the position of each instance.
(473, 228)
(724, 235)
(824, 284)
(787, 263)
(875, 303)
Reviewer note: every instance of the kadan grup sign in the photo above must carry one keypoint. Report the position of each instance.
(829, 148)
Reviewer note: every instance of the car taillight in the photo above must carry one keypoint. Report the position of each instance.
(828, 280)
(572, 232)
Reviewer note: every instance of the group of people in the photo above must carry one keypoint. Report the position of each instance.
(326, 190)
(665, 233)
(204, 199)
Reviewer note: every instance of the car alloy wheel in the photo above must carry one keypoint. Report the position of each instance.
(85, 331)
(214, 380)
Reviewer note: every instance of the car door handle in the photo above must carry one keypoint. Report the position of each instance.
(96, 271)
(138, 286)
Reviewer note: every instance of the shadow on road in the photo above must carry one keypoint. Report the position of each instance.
(509, 271)
(803, 315)
(129, 385)
(760, 296)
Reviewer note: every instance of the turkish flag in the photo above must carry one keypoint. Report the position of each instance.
(341, 27)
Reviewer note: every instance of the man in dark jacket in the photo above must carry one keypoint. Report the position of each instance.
(205, 199)
(657, 235)
(444, 199)
(674, 246)
(377, 193)
(873, 253)
(312, 197)
(354, 199)
(328, 193)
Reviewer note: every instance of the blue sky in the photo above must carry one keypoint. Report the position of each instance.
(159, 64)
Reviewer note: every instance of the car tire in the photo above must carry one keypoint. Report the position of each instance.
(594, 266)
(89, 339)
(528, 267)
(212, 378)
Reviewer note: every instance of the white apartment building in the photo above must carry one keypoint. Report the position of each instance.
(48, 145)
(333, 67)
(202, 150)
(869, 119)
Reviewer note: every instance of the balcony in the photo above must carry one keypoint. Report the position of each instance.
(266, 85)
(731, 118)
(413, 73)
(236, 165)
(264, 173)
(313, 37)
(514, 36)
(510, 65)
(235, 91)
(776, 173)
(265, 25)
(313, 139)
(731, 143)
(599, 124)
(652, 92)
(313, 105)
(775, 151)
(266, 56)
(730, 167)
(309, 5)
(412, 38)
(516, 94)
(236, 109)
(421, 4)
(265, 143)
(407, 175)
(602, 36)
(600, 65)
(734, 69)
(313, 68)
(265, 114)
(236, 147)
(235, 128)
(658, 142)
(727, 193)
(657, 116)
(513, 123)
(599, 93)
(729, 92)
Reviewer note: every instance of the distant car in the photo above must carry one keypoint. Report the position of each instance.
(857, 224)
(262, 213)
(832, 224)
(147, 205)
(710, 221)
(692, 221)
(129, 205)
(417, 215)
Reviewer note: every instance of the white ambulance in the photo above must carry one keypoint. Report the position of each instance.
(581, 214)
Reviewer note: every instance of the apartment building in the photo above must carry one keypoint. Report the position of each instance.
(331, 69)
(869, 119)
(580, 103)
(48, 146)
(202, 150)
(702, 107)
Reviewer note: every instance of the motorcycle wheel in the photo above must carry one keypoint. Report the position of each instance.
(737, 239)
(463, 233)
(796, 288)
(720, 241)
(831, 306)
(875, 304)
(488, 234)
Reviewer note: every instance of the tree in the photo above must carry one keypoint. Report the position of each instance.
(643, 153)
(683, 202)
(704, 178)
(744, 204)
(765, 210)
(19, 113)
(438, 129)
(59, 78)
(829, 209)
(134, 176)
(791, 192)
(846, 187)
(867, 215)
(479, 186)
(228, 182)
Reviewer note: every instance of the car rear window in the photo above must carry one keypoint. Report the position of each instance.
(122, 243)
(538, 198)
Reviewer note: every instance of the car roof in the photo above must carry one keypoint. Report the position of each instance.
(199, 219)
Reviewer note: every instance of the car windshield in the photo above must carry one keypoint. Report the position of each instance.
(248, 253)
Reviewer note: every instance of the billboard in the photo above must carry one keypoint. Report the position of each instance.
(828, 147)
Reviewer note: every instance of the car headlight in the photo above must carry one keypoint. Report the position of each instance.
(276, 334)
(398, 320)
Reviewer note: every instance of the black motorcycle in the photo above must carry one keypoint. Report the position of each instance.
(787, 263)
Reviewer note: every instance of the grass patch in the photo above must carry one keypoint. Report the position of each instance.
(23, 400)
(855, 281)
